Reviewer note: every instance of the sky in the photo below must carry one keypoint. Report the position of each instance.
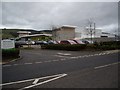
(44, 15)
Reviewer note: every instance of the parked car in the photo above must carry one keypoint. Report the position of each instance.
(52, 42)
(41, 43)
(24, 42)
(67, 42)
(88, 41)
(79, 41)
(85, 41)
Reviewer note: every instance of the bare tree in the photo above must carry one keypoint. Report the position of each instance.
(91, 29)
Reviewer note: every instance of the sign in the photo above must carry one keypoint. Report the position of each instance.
(7, 44)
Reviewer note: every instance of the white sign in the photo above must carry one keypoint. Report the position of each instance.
(7, 44)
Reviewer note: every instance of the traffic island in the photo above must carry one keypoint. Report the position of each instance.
(9, 55)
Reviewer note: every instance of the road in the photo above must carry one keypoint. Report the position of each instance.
(77, 69)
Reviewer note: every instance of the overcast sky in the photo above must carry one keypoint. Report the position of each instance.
(43, 15)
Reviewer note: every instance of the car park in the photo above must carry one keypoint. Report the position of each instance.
(88, 41)
(67, 42)
(79, 41)
(52, 42)
(41, 43)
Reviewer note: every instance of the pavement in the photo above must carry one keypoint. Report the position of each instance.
(67, 69)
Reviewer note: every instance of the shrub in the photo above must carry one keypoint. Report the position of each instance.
(91, 46)
(111, 45)
(10, 53)
(74, 47)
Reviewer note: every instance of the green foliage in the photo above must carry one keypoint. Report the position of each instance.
(91, 46)
(75, 47)
(111, 45)
(10, 53)
(40, 38)
(9, 33)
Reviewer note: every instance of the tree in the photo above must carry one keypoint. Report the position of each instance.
(91, 28)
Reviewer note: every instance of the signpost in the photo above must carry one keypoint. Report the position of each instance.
(7, 44)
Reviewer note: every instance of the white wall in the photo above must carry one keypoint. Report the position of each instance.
(84, 33)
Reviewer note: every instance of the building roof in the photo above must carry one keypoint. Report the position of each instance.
(64, 26)
(33, 35)
(69, 26)
(25, 32)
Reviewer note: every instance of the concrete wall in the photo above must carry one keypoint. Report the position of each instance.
(63, 34)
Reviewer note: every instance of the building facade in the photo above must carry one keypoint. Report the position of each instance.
(85, 33)
(97, 35)
(63, 33)
(23, 33)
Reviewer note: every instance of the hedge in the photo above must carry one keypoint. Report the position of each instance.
(75, 47)
(10, 53)
(111, 45)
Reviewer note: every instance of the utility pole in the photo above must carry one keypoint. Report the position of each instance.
(91, 31)
(94, 30)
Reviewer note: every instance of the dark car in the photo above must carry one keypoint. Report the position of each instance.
(41, 43)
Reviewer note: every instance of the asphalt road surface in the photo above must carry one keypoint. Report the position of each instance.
(62, 69)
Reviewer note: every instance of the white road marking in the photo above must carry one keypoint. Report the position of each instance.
(91, 55)
(55, 60)
(103, 53)
(7, 65)
(106, 65)
(79, 56)
(66, 58)
(74, 57)
(27, 63)
(63, 59)
(35, 82)
(38, 62)
(17, 82)
(59, 56)
(96, 54)
(64, 53)
(15, 64)
(48, 61)
(49, 80)
(100, 53)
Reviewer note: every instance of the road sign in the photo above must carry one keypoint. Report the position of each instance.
(7, 44)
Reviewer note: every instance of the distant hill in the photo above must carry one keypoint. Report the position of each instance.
(12, 33)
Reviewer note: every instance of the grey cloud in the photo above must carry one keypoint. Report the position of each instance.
(45, 14)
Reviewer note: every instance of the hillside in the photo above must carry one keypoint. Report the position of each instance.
(12, 33)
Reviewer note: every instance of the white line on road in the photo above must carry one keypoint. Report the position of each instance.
(47, 61)
(106, 65)
(27, 63)
(55, 60)
(74, 57)
(38, 62)
(63, 59)
(64, 53)
(35, 82)
(59, 56)
(16, 82)
(96, 54)
(46, 81)
(15, 64)
(7, 65)
(66, 58)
